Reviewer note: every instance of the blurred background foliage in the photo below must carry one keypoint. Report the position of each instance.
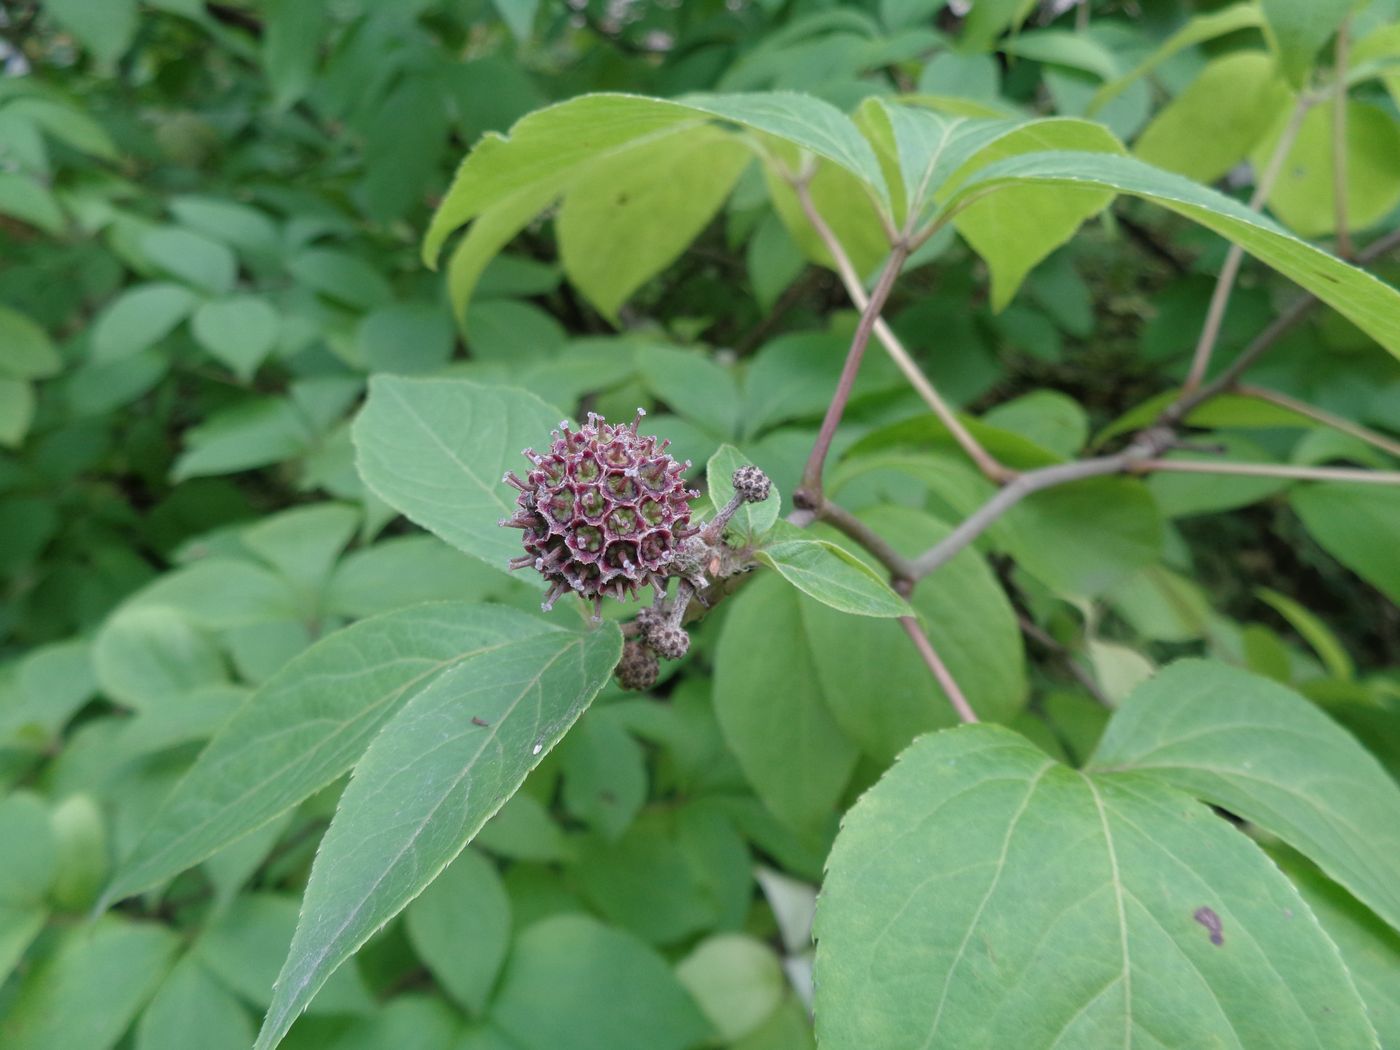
(210, 219)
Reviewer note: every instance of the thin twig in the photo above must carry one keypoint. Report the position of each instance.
(940, 671)
(1225, 283)
(1049, 642)
(902, 572)
(1189, 400)
(1346, 426)
(985, 461)
(1270, 470)
(1339, 138)
(809, 491)
(986, 515)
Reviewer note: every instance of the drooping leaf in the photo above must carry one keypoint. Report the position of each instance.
(549, 147)
(435, 450)
(1254, 747)
(628, 217)
(240, 331)
(307, 725)
(982, 895)
(1367, 302)
(440, 767)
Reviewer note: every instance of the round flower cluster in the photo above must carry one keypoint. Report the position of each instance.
(603, 510)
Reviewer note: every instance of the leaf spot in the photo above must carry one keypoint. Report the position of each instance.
(1211, 921)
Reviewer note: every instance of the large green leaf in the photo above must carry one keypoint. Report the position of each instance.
(1359, 525)
(769, 702)
(435, 450)
(308, 724)
(1299, 28)
(983, 895)
(460, 928)
(551, 146)
(628, 217)
(1261, 751)
(437, 771)
(1367, 302)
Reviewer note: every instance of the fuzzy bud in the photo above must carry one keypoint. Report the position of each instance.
(751, 485)
(668, 640)
(638, 668)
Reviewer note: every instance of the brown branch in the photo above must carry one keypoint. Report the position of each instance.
(1346, 426)
(1050, 643)
(1225, 283)
(985, 461)
(809, 491)
(938, 668)
(901, 569)
(1269, 470)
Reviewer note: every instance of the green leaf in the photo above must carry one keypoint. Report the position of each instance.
(737, 981)
(982, 894)
(1370, 950)
(751, 520)
(191, 257)
(1198, 30)
(873, 679)
(605, 774)
(248, 434)
(492, 230)
(548, 148)
(20, 924)
(16, 410)
(1304, 195)
(628, 217)
(1212, 125)
(406, 337)
(240, 331)
(1359, 525)
(1366, 302)
(26, 351)
(834, 577)
(425, 786)
(1316, 633)
(89, 989)
(244, 945)
(30, 201)
(460, 928)
(27, 841)
(291, 47)
(770, 706)
(139, 318)
(307, 725)
(435, 450)
(106, 29)
(573, 982)
(1298, 29)
(1259, 750)
(189, 1001)
(519, 15)
(1084, 538)
(148, 657)
(691, 383)
(338, 275)
(1016, 231)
